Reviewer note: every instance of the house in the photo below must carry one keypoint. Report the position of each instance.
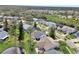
(59, 25)
(1, 28)
(69, 16)
(35, 28)
(51, 24)
(3, 35)
(62, 16)
(47, 43)
(39, 34)
(77, 34)
(1, 17)
(67, 29)
(26, 26)
(74, 43)
(35, 19)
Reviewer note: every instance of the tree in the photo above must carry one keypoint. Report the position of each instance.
(6, 25)
(77, 28)
(21, 37)
(52, 32)
(13, 28)
(35, 25)
(30, 43)
(21, 31)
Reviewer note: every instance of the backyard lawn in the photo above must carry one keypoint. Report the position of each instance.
(29, 44)
(9, 42)
(66, 49)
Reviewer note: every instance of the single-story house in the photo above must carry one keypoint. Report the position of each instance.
(74, 43)
(26, 26)
(67, 29)
(1, 28)
(69, 16)
(35, 28)
(51, 24)
(77, 34)
(39, 34)
(35, 19)
(3, 35)
(47, 43)
(59, 25)
(1, 17)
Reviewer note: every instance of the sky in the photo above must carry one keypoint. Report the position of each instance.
(70, 3)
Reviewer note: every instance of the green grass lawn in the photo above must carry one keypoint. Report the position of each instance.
(70, 37)
(62, 20)
(66, 49)
(10, 42)
(29, 44)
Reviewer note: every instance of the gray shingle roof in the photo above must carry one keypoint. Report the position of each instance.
(26, 26)
(77, 34)
(50, 24)
(3, 35)
(39, 34)
(68, 30)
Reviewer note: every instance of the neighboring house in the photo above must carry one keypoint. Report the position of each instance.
(35, 19)
(77, 34)
(67, 29)
(3, 35)
(63, 17)
(11, 17)
(26, 26)
(39, 34)
(77, 17)
(59, 25)
(74, 43)
(69, 16)
(1, 28)
(1, 17)
(47, 43)
(60, 35)
(35, 28)
(51, 24)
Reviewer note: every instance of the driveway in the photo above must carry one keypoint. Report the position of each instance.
(11, 50)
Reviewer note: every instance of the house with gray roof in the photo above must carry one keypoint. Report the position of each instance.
(77, 34)
(3, 35)
(39, 34)
(51, 24)
(26, 26)
(67, 29)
